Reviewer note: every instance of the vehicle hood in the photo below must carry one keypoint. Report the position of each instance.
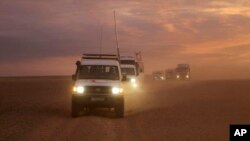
(94, 82)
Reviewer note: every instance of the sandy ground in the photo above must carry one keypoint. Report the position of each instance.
(38, 109)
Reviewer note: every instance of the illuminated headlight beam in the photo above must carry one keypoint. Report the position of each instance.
(132, 80)
(178, 76)
(116, 90)
(78, 89)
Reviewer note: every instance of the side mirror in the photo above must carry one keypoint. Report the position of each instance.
(124, 78)
(78, 63)
(74, 77)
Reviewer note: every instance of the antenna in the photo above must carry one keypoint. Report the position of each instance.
(117, 45)
(101, 41)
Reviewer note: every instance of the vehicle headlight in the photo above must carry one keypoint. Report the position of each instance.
(178, 76)
(78, 89)
(132, 80)
(187, 76)
(117, 90)
(162, 78)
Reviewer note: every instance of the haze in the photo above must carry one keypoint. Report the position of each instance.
(47, 37)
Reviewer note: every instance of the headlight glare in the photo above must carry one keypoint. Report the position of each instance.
(133, 80)
(178, 76)
(78, 89)
(117, 90)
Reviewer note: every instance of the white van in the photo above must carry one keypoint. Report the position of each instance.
(98, 84)
(131, 73)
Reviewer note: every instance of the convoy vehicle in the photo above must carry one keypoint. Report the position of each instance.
(183, 72)
(132, 67)
(135, 60)
(158, 75)
(131, 73)
(97, 83)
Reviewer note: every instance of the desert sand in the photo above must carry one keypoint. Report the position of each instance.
(38, 109)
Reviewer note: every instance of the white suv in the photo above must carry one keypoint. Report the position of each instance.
(98, 84)
(130, 72)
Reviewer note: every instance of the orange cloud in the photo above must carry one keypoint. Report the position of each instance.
(51, 33)
(170, 27)
(244, 11)
(217, 46)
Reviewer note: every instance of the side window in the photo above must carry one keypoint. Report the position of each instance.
(107, 69)
(112, 70)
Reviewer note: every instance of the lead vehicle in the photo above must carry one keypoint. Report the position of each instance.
(97, 84)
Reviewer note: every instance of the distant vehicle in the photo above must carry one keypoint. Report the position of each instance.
(98, 84)
(183, 72)
(158, 75)
(170, 74)
(131, 73)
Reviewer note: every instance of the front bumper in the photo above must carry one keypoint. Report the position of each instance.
(97, 100)
(183, 77)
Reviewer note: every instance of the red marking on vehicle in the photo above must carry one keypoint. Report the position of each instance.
(93, 81)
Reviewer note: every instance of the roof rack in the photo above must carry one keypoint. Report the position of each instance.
(100, 56)
(127, 58)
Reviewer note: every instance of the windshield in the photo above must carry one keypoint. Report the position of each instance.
(128, 71)
(98, 72)
(182, 69)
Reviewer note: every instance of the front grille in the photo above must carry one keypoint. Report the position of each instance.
(98, 90)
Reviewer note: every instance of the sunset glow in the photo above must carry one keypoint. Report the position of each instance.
(47, 37)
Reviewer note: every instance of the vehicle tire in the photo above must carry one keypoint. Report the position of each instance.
(75, 108)
(119, 108)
